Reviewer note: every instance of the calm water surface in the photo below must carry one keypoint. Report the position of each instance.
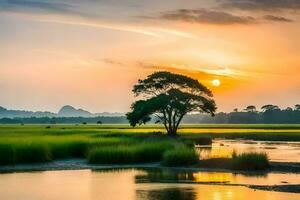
(132, 184)
(277, 151)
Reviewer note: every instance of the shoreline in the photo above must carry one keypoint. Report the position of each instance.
(78, 164)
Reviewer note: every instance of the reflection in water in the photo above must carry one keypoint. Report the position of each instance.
(139, 184)
(173, 176)
(163, 175)
(277, 151)
(167, 193)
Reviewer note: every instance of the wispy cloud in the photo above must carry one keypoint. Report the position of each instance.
(207, 16)
(205, 71)
(112, 62)
(144, 30)
(37, 6)
(267, 5)
(104, 26)
(77, 14)
(204, 16)
(277, 18)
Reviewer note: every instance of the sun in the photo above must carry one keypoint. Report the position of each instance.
(216, 82)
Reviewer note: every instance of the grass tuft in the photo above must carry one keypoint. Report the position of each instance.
(250, 161)
(181, 156)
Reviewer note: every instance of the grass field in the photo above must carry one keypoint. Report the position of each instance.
(121, 143)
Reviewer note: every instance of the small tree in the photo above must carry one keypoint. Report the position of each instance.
(269, 107)
(250, 109)
(297, 107)
(169, 97)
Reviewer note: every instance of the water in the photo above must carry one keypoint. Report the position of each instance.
(133, 184)
(277, 151)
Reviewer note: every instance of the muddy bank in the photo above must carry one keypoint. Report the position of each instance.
(289, 167)
(277, 188)
(76, 164)
(70, 164)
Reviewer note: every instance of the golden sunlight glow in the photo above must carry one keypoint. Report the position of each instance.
(216, 82)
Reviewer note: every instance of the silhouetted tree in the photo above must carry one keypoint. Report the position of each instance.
(235, 110)
(99, 122)
(289, 109)
(250, 109)
(269, 107)
(297, 107)
(169, 97)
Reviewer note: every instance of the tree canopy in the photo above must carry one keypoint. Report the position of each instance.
(250, 108)
(270, 107)
(169, 97)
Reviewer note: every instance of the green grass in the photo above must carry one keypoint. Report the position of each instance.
(30, 152)
(246, 161)
(250, 161)
(7, 154)
(42, 143)
(141, 153)
(67, 148)
(180, 156)
(24, 152)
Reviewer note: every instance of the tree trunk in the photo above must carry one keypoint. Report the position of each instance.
(171, 132)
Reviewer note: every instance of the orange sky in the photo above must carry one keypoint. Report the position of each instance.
(89, 54)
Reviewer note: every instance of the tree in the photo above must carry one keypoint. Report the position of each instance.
(250, 108)
(289, 109)
(169, 97)
(269, 107)
(297, 107)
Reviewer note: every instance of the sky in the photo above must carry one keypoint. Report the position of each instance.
(89, 54)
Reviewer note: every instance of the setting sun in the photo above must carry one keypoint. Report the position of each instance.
(216, 82)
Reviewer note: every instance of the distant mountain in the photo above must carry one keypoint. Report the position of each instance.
(108, 114)
(2, 109)
(65, 111)
(69, 111)
(5, 113)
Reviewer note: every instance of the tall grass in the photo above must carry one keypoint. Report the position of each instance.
(29, 152)
(7, 154)
(250, 161)
(145, 152)
(68, 148)
(23, 152)
(180, 156)
(46, 149)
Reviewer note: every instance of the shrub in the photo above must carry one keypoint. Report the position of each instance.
(250, 161)
(150, 152)
(181, 156)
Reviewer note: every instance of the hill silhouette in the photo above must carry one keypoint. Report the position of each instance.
(65, 111)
